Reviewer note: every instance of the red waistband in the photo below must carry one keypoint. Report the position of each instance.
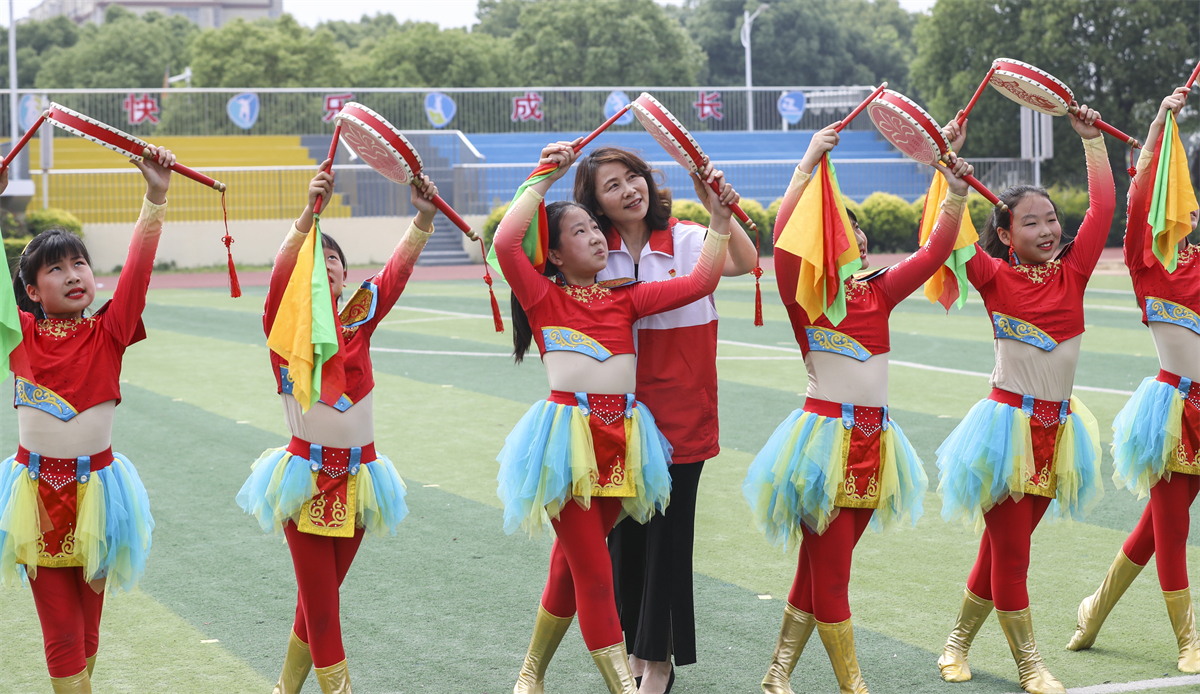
(1016, 399)
(596, 400)
(299, 447)
(866, 418)
(98, 461)
(1169, 378)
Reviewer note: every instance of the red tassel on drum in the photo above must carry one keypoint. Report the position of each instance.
(1132, 166)
(757, 271)
(235, 288)
(487, 278)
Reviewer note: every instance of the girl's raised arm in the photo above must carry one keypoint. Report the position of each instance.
(124, 314)
(321, 186)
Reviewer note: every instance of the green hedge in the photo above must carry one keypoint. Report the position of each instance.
(691, 211)
(12, 251)
(490, 224)
(889, 222)
(52, 218)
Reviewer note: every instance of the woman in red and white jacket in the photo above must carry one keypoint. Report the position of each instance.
(677, 376)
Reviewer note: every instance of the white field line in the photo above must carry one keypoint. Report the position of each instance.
(924, 367)
(391, 350)
(1139, 686)
(448, 315)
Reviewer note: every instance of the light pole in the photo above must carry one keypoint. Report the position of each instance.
(12, 84)
(748, 21)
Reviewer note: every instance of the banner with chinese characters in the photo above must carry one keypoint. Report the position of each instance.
(708, 105)
(527, 107)
(141, 109)
(334, 104)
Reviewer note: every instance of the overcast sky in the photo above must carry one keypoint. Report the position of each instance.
(447, 13)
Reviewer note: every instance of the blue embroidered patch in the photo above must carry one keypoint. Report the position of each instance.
(1163, 311)
(40, 398)
(559, 339)
(826, 340)
(1009, 328)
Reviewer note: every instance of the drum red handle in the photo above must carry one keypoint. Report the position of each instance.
(1131, 141)
(196, 176)
(452, 215)
(854, 114)
(1192, 79)
(337, 133)
(983, 190)
(982, 85)
(737, 210)
(12, 154)
(603, 126)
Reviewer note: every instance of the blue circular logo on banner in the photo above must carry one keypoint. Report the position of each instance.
(243, 110)
(791, 107)
(439, 109)
(615, 102)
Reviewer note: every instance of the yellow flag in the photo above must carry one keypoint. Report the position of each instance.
(820, 234)
(949, 284)
(291, 334)
(1173, 198)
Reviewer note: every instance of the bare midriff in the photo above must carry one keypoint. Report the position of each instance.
(86, 433)
(1178, 349)
(1027, 370)
(326, 426)
(838, 378)
(578, 373)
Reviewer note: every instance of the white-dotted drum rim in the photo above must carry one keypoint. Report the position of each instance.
(342, 116)
(108, 145)
(1062, 110)
(934, 145)
(647, 119)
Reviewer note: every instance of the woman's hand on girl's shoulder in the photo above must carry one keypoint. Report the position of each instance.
(156, 169)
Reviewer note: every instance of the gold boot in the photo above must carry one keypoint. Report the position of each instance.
(334, 679)
(1034, 677)
(613, 663)
(797, 627)
(1183, 621)
(548, 632)
(91, 666)
(839, 644)
(1095, 608)
(973, 613)
(75, 684)
(296, 665)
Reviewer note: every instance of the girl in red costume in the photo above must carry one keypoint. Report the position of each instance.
(1029, 446)
(74, 516)
(1156, 436)
(591, 450)
(840, 463)
(329, 486)
(677, 379)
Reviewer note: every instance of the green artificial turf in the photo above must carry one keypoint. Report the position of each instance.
(448, 604)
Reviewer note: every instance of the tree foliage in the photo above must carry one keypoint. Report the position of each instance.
(1118, 57)
(125, 51)
(267, 53)
(35, 42)
(420, 54)
(805, 42)
(603, 42)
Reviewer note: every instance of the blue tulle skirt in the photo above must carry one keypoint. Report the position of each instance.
(795, 478)
(280, 483)
(989, 458)
(113, 524)
(548, 459)
(1146, 433)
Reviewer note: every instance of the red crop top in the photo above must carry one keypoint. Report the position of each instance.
(359, 317)
(1042, 305)
(864, 331)
(64, 367)
(595, 320)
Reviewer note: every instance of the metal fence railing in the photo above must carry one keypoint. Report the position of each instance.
(147, 113)
(481, 187)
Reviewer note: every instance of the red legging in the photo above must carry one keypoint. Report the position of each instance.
(69, 611)
(1002, 566)
(1164, 526)
(823, 571)
(581, 576)
(321, 564)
